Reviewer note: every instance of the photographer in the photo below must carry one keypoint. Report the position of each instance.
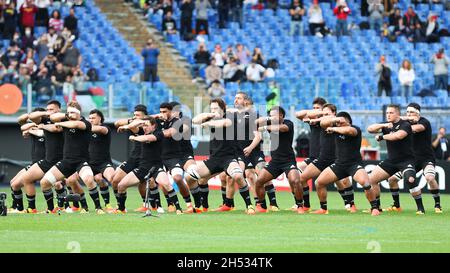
(441, 63)
(341, 11)
(150, 54)
(71, 55)
(441, 145)
(169, 25)
(296, 11)
(383, 70)
(376, 10)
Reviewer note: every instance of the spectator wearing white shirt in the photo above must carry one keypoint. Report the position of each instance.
(219, 55)
(406, 76)
(213, 73)
(254, 72)
(316, 21)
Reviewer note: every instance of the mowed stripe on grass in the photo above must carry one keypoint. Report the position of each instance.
(282, 231)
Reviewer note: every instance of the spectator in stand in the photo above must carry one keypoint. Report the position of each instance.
(169, 25)
(406, 76)
(27, 39)
(28, 11)
(49, 63)
(243, 55)
(441, 145)
(202, 58)
(216, 90)
(24, 78)
(432, 29)
(418, 34)
(68, 89)
(255, 72)
(383, 71)
(13, 54)
(187, 8)
(341, 11)
(11, 18)
(11, 75)
(410, 19)
(229, 52)
(71, 56)
(41, 46)
(316, 21)
(401, 29)
(223, 9)
(376, 10)
(71, 22)
(273, 5)
(213, 72)
(42, 12)
(52, 37)
(219, 55)
(364, 8)
(201, 7)
(394, 19)
(441, 63)
(167, 6)
(79, 80)
(58, 77)
(57, 4)
(150, 54)
(232, 72)
(296, 11)
(43, 83)
(257, 56)
(237, 14)
(55, 21)
(28, 57)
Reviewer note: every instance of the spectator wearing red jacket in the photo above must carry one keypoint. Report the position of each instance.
(28, 11)
(341, 11)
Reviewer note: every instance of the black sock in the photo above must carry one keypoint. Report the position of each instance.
(344, 197)
(95, 197)
(323, 205)
(396, 196)
(299, 203)
(271, 194)
(75, 204)
(307, 204)
(232, 202)
(174, 199)
(152, 196)
(61, 196)
(436, 197)
(263, 203)
(14, 204)
(121, 198)
(197, 197)
(31, 201)
(224, 194)
(377, 199)
(204, 190)
(18, 198)
(373, 205)
(48, 195)
(419, 202)
(245, 193)
(169, 202)
(228, 202)
(187, 199)
(293, 195)
(143, 198)
(350, 195)
(104, 191)
(83, 201)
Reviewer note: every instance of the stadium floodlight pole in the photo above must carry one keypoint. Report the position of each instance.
(148, 212)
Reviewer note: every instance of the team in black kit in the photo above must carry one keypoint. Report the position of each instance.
(68, 151)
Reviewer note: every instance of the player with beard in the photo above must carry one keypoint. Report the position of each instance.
(327, 156)
(77, 134)
(29, 130)
(424, 155)
(281, 132)
(223, 155)
(150, 163)
(348, 160)
(398, 135)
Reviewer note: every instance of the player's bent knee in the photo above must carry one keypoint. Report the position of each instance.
(49, 178)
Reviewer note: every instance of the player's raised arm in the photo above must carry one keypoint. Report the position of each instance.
(377, 127)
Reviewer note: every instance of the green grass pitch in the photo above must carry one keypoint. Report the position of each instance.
(283, 231)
